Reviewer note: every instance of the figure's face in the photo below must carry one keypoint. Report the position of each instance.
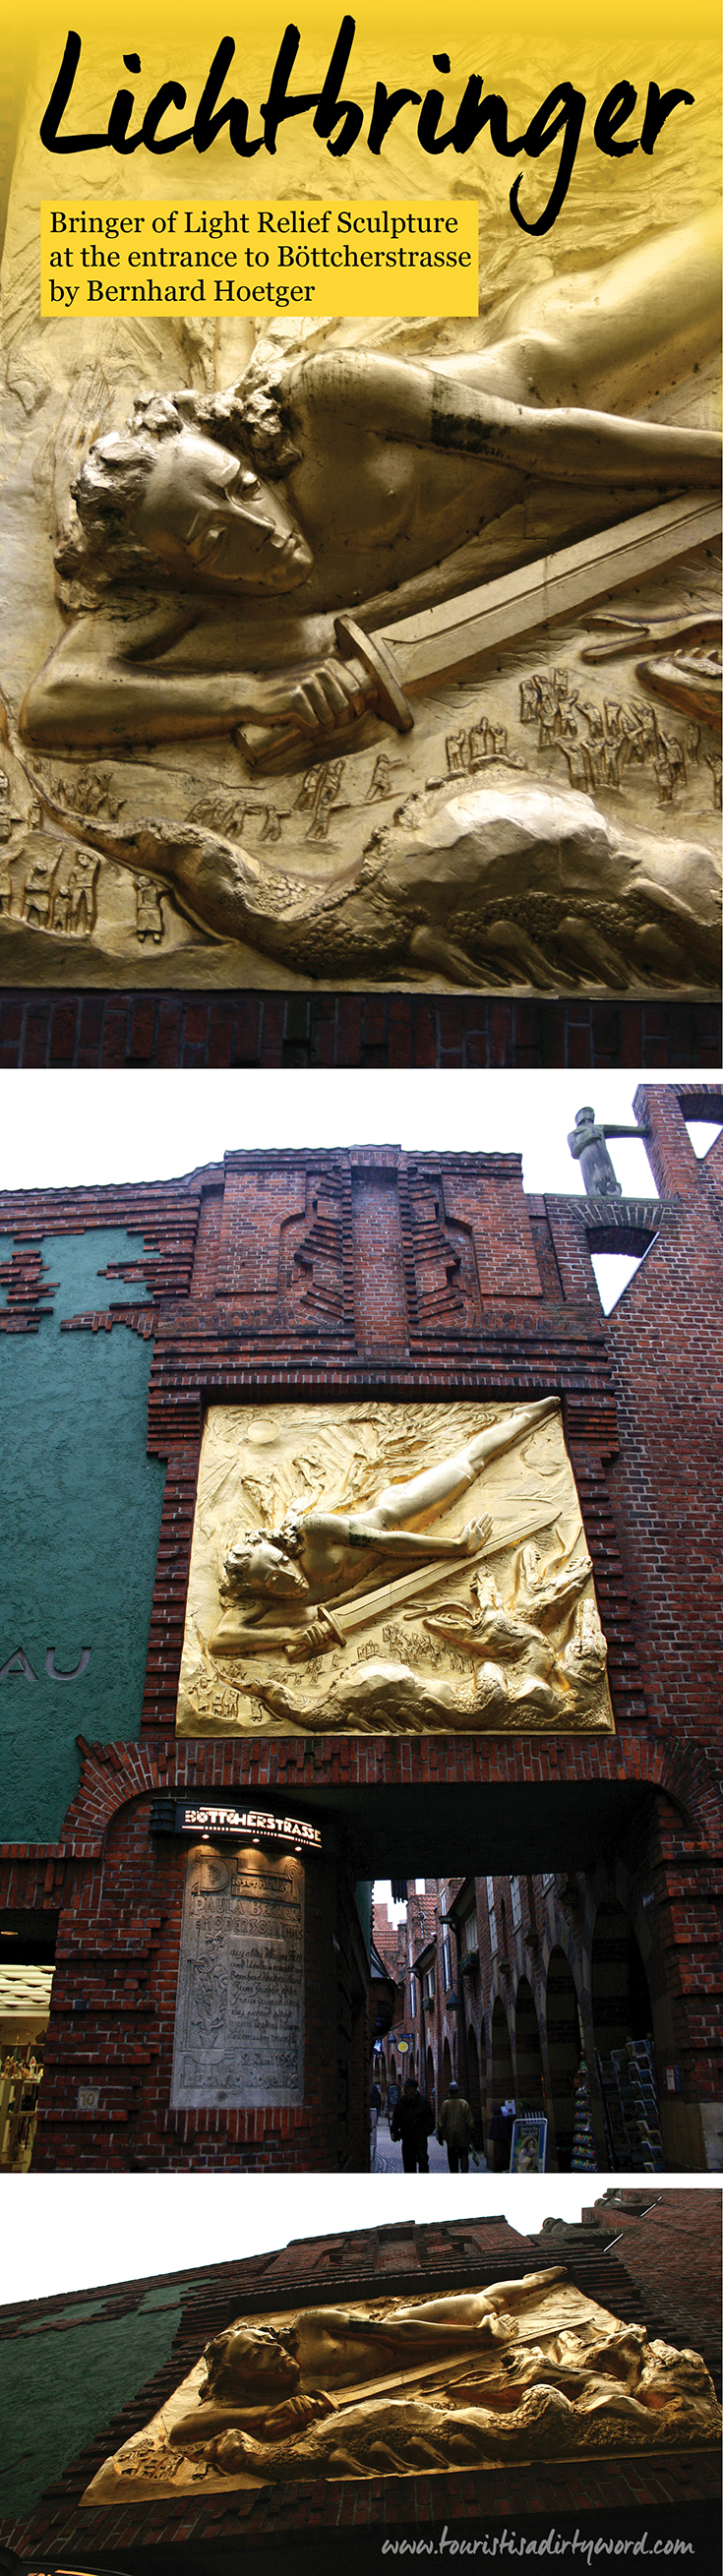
(242, 2361)
(204, 512)
(263, 1568)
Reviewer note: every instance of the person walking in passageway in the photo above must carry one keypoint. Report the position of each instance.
(412, 2124)
(455, 2129)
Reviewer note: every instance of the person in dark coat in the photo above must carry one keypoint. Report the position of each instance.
(412, 2124)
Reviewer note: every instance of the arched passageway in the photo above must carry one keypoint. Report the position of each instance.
(530, 2084)
(501, 2082)
(563, 2053)
(473, 2082)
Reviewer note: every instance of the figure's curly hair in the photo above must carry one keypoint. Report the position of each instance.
(99, 548)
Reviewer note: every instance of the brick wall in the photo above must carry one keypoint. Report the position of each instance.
(264, 1029)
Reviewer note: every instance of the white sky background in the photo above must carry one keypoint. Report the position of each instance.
(142, 1126)
(81, 2231)
(79, 1127)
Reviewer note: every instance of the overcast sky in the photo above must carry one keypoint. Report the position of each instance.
(76, 1127)
(77, 2231)
(81, 1127)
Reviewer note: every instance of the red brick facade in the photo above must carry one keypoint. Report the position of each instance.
(331, 1276)
(365, 1029)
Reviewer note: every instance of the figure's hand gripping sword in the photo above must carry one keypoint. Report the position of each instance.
(436, 642)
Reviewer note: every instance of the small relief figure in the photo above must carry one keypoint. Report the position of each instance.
(456, 751)
(272, 824)
(675, 757)
(664, 777)
(37, 894)
(329, 778)
(693, 739)
(499, 740)
(588, 1147)
(566, 702)
(580, 766)
(630, 727)
(82, 884)
(479, 742)
(530, 698)
(593, 719)
(613, 757)
(382, 777)
(714, 762)
(305, 802)
(547, 711)
(62, 899)
(149, 915)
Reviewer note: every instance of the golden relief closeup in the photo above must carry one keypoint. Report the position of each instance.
(527, 2369)
(331, 1590)
(298, 714)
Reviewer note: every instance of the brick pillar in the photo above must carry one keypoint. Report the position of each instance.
(379, 1301)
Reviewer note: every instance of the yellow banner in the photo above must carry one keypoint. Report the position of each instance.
(248, 256)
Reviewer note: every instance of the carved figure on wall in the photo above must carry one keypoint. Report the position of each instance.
(403, 1627)
(588, 1147)
(345, 475)
(522, 2370)
(315, 1553)
(149, 915)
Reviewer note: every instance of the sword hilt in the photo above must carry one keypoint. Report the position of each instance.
(280, 747)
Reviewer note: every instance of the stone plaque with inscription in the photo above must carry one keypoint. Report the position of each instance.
(240, 2010)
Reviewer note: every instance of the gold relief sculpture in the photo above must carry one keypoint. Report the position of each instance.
(249, 517)
(390, 1569)
(524, 2370)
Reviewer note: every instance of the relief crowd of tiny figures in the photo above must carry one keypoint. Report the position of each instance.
(52, 884)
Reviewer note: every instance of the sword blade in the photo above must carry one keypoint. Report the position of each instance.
(440, 640)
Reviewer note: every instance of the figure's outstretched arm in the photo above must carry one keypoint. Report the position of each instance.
(425, 1496)
(393, 399)
(95, 702)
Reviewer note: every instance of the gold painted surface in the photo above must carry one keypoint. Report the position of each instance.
(524, 2370)
(545, 825)
(392, 1569)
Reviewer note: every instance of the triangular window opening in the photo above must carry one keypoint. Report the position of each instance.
(613, 1272)
(703, 1133)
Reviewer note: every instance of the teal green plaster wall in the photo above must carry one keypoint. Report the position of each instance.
(58, 2389)
(81, 1508)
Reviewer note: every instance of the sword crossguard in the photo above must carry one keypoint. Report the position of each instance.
(378, 683)
(389, 700)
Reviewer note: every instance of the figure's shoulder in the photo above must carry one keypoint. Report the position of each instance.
(133, 621)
